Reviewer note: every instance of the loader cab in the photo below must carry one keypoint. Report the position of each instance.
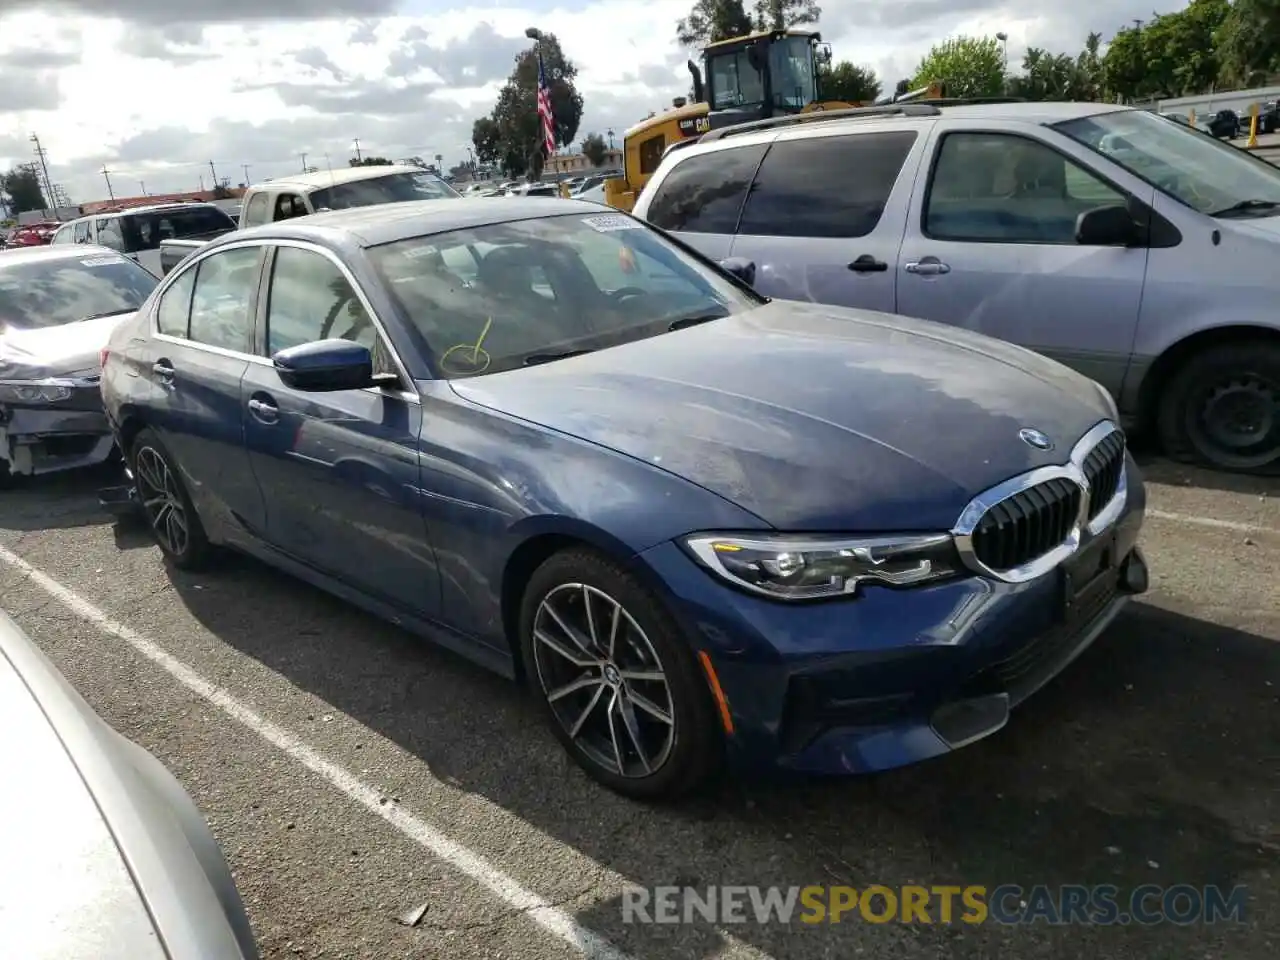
(759, 76)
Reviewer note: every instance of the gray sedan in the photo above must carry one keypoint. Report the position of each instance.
(106, 857)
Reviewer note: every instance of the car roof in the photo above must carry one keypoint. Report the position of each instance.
(389, 222)
(1040, 112)
(16, 256)
(329, 178)
(146, 208)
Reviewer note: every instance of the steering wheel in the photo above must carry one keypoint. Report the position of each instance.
(626, 293)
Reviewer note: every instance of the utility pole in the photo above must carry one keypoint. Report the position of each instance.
(202, 183)
(357, 143)
(143, 185)
(213, 171)
(245, 167)
(304, 163)
(106, 175)
(44, 166)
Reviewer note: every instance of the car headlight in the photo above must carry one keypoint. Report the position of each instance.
(46, 390)
(1108, 400)
(815, 568)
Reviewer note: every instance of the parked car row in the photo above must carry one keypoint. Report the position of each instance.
(1135, 250)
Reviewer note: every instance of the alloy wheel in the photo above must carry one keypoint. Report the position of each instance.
(603, 680)
(158, 491)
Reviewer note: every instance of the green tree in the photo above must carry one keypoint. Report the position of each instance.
(847, 82)
(594, 149)
(371, 162)
(22, 187)
(1089, 68)
(1124, 68)
(969, 66)
(781, 14)
(712, 20)
(1248, 42)
(1048, 76)
(512, 134)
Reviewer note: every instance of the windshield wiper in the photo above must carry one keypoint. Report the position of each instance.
(694, 319)
(1246, 206)
(109, 313)
(535, 358)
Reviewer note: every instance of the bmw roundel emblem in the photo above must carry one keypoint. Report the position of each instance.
(1034, 438)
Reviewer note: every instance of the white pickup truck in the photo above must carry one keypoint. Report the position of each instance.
(306, 193)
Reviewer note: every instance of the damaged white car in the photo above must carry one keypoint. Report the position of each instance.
(58, 307)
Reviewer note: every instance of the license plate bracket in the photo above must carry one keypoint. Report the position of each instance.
(1091, 571)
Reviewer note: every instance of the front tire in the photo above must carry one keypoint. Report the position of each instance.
(618, 683)
(1222, 408)
(170, 515)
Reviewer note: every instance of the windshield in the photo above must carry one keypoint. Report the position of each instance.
(392, 188)
(1193, 168)
(508, 295)
(791, 61)
(734, 82)
(54, 291)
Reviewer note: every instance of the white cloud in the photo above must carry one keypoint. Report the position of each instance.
(156, 101)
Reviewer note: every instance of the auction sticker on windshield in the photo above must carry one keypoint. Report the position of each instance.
(608, 223)
(101, 261)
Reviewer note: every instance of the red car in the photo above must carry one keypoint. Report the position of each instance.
(34, 234)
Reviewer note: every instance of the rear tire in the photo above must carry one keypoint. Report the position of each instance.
(172, 518)
(1221, 408)
(607, 663)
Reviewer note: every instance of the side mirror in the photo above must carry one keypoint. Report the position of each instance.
(743, 269)
(1109, 226)
(325, 365)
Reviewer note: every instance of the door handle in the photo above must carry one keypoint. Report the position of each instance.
(928, 267)
(264, 410)
(868, 264)
(164, 373)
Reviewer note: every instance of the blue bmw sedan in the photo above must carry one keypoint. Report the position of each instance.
(701, 526)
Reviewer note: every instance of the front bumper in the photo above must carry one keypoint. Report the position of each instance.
(897, 676)
(48, 438)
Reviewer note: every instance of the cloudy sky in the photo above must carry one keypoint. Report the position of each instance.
(155, 89)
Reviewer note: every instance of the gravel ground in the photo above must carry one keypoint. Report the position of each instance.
(1154, 759)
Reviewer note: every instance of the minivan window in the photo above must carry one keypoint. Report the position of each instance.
(392, 188)
(110, 234)
(825, 186)
(1003, 188)
(1192, 167)
(221, 307)
(82, 231)
(704, 193)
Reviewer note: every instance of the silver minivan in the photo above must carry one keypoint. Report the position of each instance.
(1138, 251)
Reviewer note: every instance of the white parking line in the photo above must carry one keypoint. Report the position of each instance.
(550, 918)
(1210, 522)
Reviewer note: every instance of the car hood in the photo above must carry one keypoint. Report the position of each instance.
(813, 417)
(55, 351)
(65, 892)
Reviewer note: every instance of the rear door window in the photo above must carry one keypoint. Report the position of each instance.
(830, 187)
(110, 234)
(704, 193)
(221, 308)
(82, 231)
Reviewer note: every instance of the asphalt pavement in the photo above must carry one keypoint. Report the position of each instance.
(354, 775)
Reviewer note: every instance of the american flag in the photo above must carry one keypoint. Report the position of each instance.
(544, 110)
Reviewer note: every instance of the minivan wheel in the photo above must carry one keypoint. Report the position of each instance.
(620, 686)
(170, 514)
(1222, 408)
